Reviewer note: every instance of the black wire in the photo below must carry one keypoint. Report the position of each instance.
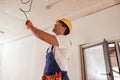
(24, 11)
(25, 2)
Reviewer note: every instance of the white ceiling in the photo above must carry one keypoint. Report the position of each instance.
(42, 14)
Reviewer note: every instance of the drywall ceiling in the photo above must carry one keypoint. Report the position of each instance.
(43, 13)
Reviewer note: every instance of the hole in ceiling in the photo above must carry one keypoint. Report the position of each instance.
(1, 32)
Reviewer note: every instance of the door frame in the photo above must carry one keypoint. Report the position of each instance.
(109, 72)
(118, 53)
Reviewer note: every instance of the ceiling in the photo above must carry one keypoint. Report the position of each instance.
(42, 14)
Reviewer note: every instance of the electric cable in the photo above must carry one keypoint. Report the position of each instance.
(25, 11)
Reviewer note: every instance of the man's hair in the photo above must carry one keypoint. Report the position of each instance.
(67, 29)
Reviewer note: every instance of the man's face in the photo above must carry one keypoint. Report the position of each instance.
(59, 29)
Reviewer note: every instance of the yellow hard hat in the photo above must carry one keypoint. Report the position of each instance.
(67, 22)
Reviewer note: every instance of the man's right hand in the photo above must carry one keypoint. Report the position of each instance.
(29, 24)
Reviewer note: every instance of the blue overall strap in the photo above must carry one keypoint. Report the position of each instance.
(52, 66)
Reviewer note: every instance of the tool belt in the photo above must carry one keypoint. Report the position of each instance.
(56, 76)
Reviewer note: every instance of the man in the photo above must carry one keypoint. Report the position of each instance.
(57, 56)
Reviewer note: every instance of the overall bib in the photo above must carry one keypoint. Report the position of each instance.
(52, 66)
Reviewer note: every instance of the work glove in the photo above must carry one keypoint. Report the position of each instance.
(29, 24)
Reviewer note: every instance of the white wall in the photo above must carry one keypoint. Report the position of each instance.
(24, 59)
(1, 52)
(96, 27)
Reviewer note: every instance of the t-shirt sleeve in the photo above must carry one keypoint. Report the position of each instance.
(63, 41)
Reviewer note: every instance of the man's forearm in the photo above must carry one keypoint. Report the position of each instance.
(49, 38)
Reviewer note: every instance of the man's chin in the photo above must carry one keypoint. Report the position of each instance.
(54, 31)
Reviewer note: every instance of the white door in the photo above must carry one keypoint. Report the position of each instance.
(96, 62)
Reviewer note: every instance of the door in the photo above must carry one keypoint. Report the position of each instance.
(115, 58)
(96, 62)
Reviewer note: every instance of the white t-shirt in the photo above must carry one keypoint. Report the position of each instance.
(62, 52)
